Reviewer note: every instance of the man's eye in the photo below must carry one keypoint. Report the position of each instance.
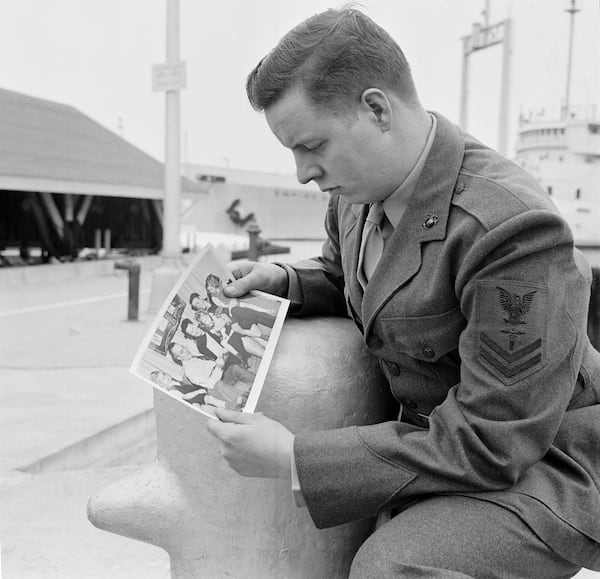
(313, 147)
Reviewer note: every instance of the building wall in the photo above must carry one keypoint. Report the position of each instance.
(281, 213)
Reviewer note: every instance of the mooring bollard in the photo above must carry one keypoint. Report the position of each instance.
(254, 247)
(134, 268)
(594, 311)
(215, 523)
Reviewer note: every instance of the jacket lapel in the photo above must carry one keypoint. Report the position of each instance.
(424, 220)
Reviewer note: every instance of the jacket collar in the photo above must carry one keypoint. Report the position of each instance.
(425, 220)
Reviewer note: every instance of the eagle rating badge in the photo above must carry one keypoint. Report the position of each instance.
(511, 320)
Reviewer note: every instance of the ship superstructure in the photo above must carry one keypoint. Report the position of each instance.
(563, 154)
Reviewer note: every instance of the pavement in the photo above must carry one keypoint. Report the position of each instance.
(65, 349)
(73, 420)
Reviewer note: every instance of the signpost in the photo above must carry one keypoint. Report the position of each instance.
(170, 78)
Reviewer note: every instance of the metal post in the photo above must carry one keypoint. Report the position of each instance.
(84, 208)
(253, 249)
(172, 119)
(486, 14)
(464, 91)
(167, 273)
(69, 207)
(133, 302)
(594, 311)
(133, 299)
(505, 87)
(572, 11)
(107, 241)
(98, 241)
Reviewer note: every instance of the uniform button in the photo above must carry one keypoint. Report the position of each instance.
(409, 403)
(374, 342)
(394, 369)
(460, 187)
(428, 351)
(430, 221)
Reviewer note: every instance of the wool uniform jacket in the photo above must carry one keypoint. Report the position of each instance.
(477, 312)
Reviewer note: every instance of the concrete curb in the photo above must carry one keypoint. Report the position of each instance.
(30, 274)
(130, 442)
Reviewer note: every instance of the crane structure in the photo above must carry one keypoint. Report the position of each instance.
(484, 35)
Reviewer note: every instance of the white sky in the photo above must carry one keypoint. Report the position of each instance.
(97, 55)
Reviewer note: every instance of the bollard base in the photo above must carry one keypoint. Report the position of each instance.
(214, 523)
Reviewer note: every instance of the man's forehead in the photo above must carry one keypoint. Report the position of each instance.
(294, 119)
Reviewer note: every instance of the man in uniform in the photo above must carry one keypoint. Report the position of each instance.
(463, 279)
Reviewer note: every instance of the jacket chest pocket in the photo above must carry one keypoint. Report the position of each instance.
(424, 338)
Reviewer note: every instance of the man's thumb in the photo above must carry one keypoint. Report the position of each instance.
(233, 416)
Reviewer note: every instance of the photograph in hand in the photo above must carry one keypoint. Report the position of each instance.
(209, 350)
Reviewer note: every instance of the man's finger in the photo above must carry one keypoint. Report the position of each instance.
(242, 285)
(235, 417)
(240, 268)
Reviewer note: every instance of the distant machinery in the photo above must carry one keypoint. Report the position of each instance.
(238, 214)
(483, 36)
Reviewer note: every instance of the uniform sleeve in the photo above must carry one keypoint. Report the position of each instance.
(321, 279)
(524, 301)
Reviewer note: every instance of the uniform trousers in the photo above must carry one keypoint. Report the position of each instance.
(455, 537)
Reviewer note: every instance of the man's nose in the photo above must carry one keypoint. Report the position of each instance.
(306, 171)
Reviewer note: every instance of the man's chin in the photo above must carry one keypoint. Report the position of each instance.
(355, 199)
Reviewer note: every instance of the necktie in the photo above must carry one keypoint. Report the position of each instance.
(375, 233)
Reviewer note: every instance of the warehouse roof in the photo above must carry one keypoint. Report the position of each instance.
(49, 146)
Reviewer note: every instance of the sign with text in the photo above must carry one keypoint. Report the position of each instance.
(168, 76)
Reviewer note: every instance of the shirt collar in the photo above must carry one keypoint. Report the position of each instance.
(395, 204)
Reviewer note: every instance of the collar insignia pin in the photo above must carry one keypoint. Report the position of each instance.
(430, 221)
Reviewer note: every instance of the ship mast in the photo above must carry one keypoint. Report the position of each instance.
(572, 10)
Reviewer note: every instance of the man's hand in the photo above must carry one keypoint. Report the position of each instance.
(252, 444)
(251, 275)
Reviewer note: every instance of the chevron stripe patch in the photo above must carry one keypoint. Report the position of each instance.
(510, 364)
(511, 318)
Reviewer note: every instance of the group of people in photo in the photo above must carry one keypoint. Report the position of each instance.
(219, 344)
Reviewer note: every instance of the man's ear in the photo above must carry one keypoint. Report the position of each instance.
(379, 105)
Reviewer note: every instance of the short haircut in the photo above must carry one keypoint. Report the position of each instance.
(333, 57)
(184, 325)
(212, 279)
(170, 348)
(193, 297)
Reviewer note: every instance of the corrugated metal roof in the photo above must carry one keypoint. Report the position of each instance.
(50, 141)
